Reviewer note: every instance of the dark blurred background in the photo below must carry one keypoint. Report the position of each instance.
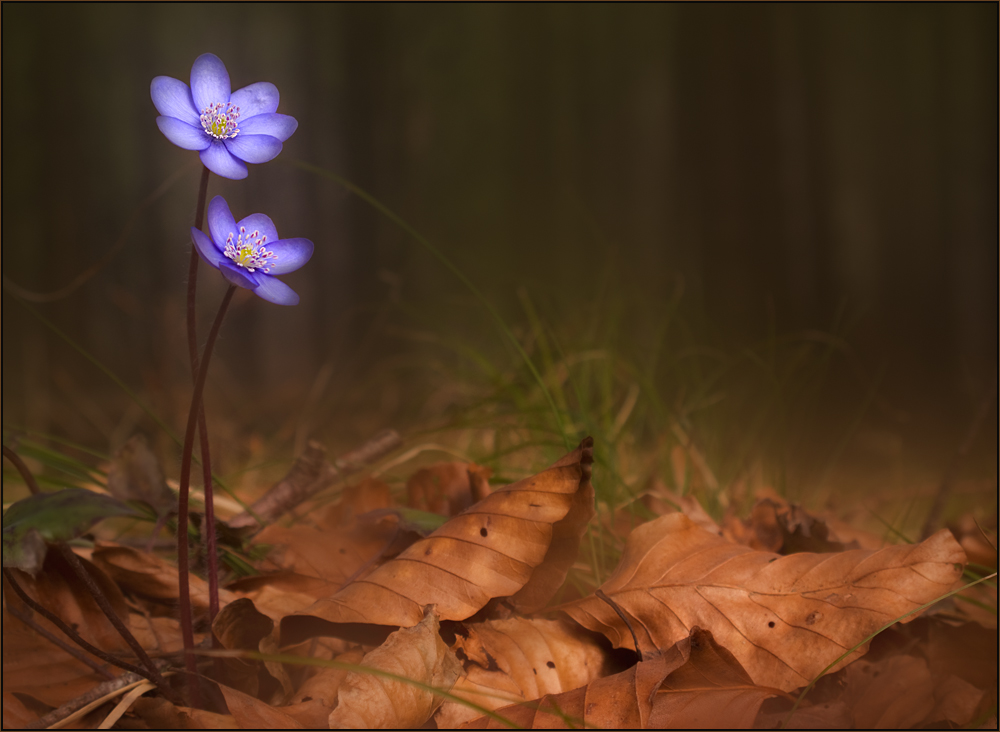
(778, 168)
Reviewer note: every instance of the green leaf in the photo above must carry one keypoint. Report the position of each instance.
(51, 517)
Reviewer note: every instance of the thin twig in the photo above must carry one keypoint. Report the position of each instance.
(102, 601)
(29, 479)
(57, 641)
(310, 474)
(934, 517)
(614, 606)
(97, 693)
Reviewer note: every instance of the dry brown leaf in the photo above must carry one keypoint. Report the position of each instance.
(252, 713)
(330, 554)
(376, 702)
(240, 626)
(367, 495)
(774, 525)
(519, 659)
(490, 550)
(891, 693)
(15, 714)
(957, 702)
(784, 618)
(709, 691)
(150, 577)
(661, 500)
(696, 683)
(825, 715)
(448, 488)
(316, 698)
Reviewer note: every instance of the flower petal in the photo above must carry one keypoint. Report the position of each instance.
(220, 221)
(261, 223)
(209, 81)
(276, 125)
(182, 134)
(291, 254)
(208, 251)
(254, 148)
(219, 160)
(259, 98)
(276, 291)
(238, 276)
(172, 98)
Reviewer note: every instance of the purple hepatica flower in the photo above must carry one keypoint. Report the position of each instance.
(249, 253)
(229, 129)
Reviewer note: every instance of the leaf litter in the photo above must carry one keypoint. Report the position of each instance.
(443, 612)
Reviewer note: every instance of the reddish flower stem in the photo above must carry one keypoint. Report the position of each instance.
(187, 625)
(208, 528)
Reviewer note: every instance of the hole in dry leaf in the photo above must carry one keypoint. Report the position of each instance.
(535, 505)
(483, 532)
(550, 664)
(535, 671)
(307, 698)
(770, 624)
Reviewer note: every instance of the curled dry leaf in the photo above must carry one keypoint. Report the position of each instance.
(315, 699)
(784, 618)
(252, 713)
(375, 702)
(150, 577)
(696, 683)
(490, 550)
(520, 659)
(896, 692)
(448, 488)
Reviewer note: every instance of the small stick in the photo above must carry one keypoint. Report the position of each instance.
(934, 517)
(101, 599)
(310, 474)
(621, 614)
(55, 640)
(29, 479)
(97, 693)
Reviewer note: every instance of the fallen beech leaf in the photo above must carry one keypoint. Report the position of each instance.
(695, 683)
(15, 714)
(33, 665)
(957, 702)
(825, 715)
(518, 659)
(709, 691)
(149, 576)
(891, 693)
(784, 618)
(58, 588)
(367, 495)
(376, 702)
(240, 626)
(448, 488)
(775, 525)
(317, 696)
(333, 555)
(490, 550)
(251, 713)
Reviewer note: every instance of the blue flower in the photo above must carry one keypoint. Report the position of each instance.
(249, 252)
(229, 129)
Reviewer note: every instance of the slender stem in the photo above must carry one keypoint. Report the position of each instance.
(29, 479)
(211, 552)
(187, 628)
(102, 601)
